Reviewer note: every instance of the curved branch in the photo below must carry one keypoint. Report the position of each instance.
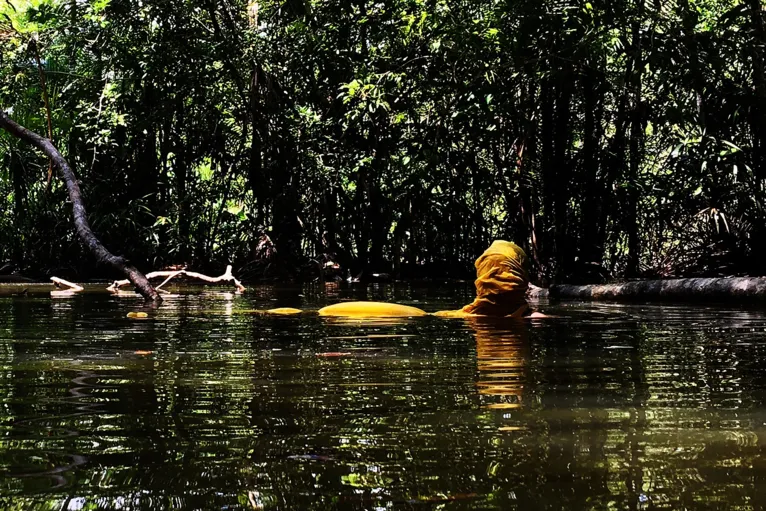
(80, 217)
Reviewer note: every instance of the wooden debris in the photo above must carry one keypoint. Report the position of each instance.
(65, 283)
(170, 275)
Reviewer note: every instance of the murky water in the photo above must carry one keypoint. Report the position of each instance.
(205, 405)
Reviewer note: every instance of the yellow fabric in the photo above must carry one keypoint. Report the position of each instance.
(501, 282)
(283, 311)
(461, 313)
(501, 285)
(370, 309)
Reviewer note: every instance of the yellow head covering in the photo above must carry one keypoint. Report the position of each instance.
(502, 280)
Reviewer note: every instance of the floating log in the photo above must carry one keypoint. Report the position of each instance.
(692, 289)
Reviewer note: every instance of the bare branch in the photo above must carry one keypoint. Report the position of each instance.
(169, 275)
(78, 207)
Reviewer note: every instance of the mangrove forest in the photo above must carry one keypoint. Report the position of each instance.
(609, 139)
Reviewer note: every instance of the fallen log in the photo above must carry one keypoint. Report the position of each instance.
(169, 275)
(15, 279)
(692, 289)
(78, 208)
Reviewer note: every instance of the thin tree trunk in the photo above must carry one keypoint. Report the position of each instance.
(287, 228)
(361, 223)
(144, 177)
(477, 241)
(527, 156)
(615, 160)
(181, 171)
(636, 137)
(80, 217)
(759, 30)
(46, 103)
(563, 175)
(256, 179)
(591, 247)
(547, 172)
(378, 216)
(16, 168)
(689, 19)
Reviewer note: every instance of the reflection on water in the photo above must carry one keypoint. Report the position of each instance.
(502, 350)
(204, 405)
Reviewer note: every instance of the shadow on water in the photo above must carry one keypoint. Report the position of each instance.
(205, 405)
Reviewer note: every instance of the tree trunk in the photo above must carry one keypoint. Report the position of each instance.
(759, 32)
(286, 207)
(80, 217)
(547, 172)
(615, 160)
(181, 172)
(362, 237)
(565, 251)
(527, 155)
(635, 150)
(143, 179)
(378, 216)
(591, 244)
(16, 168)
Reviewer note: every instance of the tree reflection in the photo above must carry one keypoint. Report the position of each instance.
(204, 407)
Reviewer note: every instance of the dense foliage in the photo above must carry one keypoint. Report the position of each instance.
(622, 137)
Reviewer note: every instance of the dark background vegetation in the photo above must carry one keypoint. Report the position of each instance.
(608, 138)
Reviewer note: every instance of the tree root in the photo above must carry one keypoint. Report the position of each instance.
(170, 275)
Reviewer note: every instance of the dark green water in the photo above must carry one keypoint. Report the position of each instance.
(205, 406)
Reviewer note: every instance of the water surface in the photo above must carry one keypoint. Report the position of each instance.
(206, 405)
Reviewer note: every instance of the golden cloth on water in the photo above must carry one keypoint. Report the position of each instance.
(501, 282)
(371, 309)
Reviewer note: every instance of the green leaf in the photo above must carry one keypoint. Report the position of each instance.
(734, 148)
(205, 172)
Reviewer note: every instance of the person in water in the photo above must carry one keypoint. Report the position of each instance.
(502, 280)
